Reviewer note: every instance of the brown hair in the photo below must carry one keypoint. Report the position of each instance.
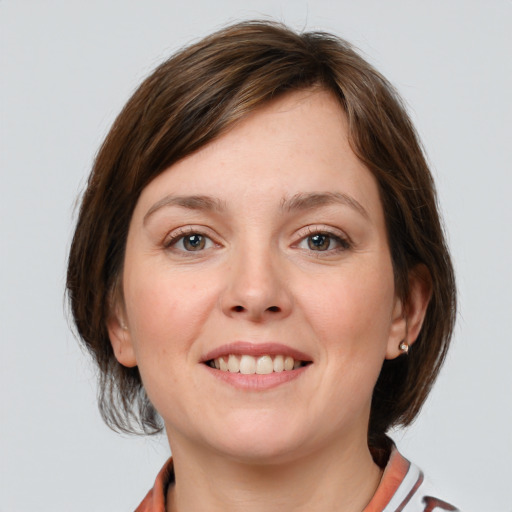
(190, 100)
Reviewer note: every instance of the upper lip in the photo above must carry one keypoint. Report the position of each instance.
(255, 350)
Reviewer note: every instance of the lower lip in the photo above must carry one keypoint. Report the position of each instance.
(255, 382)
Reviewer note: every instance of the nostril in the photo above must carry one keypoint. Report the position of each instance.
(241, 309)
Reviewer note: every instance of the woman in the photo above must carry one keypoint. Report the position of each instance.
(259, 267)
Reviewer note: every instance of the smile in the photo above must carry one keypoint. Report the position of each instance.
(250, 365)
(256, 366)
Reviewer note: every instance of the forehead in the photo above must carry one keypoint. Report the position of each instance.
(297, 143)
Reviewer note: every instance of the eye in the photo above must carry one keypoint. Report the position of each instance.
(323, 242)
(190, 242)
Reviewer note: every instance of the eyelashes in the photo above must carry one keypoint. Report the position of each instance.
(193, 243)
(188, 239)
(315, 239)
(324, 242)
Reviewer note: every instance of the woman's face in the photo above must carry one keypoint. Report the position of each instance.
(267, 244)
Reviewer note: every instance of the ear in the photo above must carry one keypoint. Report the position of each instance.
(408, 318)
(121, 341)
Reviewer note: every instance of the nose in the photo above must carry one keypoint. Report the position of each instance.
(256, 288)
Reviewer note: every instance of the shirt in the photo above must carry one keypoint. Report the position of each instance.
(403, 488)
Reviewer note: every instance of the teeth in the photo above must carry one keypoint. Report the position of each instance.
(264, 365)
(223, 365)
(278, 363)
(249, 365)
(288, 363)
(233, 364)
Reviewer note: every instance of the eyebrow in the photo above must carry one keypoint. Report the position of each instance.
(317, 199)
(204, 203)
(297, 202)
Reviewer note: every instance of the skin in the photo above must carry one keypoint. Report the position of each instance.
(301, 445)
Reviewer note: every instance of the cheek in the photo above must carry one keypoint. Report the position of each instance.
(352, 309)
(166, 312)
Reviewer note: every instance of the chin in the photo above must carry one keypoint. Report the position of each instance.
(262, 453)
(270, 439)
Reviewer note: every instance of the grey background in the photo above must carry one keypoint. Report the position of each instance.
(67, 67)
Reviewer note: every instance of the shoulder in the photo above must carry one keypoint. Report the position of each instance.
(155, 498)
(404, 488)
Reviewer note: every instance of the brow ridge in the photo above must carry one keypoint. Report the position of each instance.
(300, 201)
(194, 202)
(312, 200)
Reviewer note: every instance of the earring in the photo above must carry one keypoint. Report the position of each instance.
(124, 326)
(404, 347)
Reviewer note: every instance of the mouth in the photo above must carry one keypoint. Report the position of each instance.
(247, 358)
(265, 364)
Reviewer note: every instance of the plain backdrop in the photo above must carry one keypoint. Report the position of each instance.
(67, 67)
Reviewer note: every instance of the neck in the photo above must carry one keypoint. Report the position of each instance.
(338, 478)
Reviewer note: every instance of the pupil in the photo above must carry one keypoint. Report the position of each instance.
(194, 242)
(319, 242)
